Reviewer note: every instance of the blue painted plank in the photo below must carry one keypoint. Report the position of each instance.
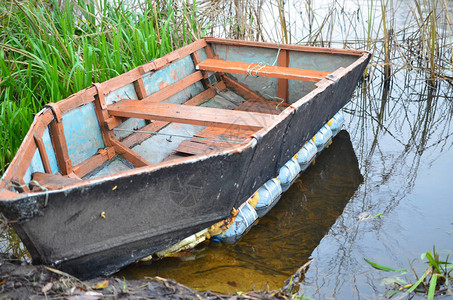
(125, 92)
(82, 132)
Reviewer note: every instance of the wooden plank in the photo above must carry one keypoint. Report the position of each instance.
(102, 115)
(173, 56)
(242, 90)
(60, 147)
(43, 153)
(201, 97)
(130, 155)
(94, 162)
(218, 65)
(24, 155)
(52, 182)
(283, 61)
(112, 122)
(78, 99)
(226, 134)
(140, 88)
(138, 137)
(173, 88)
(266, 107)
(195, 148)
(59, 140)
(239, 43)
(196, 61)
(195, 115)
(20, 185)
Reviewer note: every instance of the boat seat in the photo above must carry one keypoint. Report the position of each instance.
(219, 65)
(196, 115)
(214, 139)
(51, 181)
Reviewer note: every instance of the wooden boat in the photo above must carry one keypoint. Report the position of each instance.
(130, 166)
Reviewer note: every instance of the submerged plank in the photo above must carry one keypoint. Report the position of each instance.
(218, 65)
(195, 115)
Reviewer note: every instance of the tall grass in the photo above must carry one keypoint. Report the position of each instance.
(50, 50)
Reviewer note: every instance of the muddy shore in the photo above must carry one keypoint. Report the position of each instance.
(20, 280)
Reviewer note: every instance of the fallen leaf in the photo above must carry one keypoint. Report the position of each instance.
(3, 281)
(101, 285)
(47, 287)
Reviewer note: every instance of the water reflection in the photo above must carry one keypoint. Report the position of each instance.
(403, 137)
(281, 241)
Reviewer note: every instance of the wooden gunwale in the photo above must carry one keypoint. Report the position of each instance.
(298, 48)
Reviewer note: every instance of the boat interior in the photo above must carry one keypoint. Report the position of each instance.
(209, 97)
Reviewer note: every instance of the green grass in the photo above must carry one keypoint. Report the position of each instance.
(48, 52)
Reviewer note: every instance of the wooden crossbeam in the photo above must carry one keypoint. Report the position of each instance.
(218, 65)
(43, 153)
(195, 115)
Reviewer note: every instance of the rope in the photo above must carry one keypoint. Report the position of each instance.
(177, 135)
(46, 190)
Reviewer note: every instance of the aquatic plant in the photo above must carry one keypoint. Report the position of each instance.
(435, 280)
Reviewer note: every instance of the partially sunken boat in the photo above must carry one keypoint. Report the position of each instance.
(131, 166)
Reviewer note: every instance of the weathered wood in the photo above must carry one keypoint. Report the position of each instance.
(7, 194)
(51, 181)
(112, 122)
(81, 98)
(154, 126)
(24, 155)
(19, 185)
(138, 137)
(174, 88)
(266, 107)
(59, 139)
(226, 134)
(196, 61)
(43, 153)
(130, 155)
(173, 56)
(283, 61)
(239, 43)
(201, 97)
(195, 115)
(195, 148)
(94, 162)
(140, 88)
(219, 65)
(108, 136)
(242, 90)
